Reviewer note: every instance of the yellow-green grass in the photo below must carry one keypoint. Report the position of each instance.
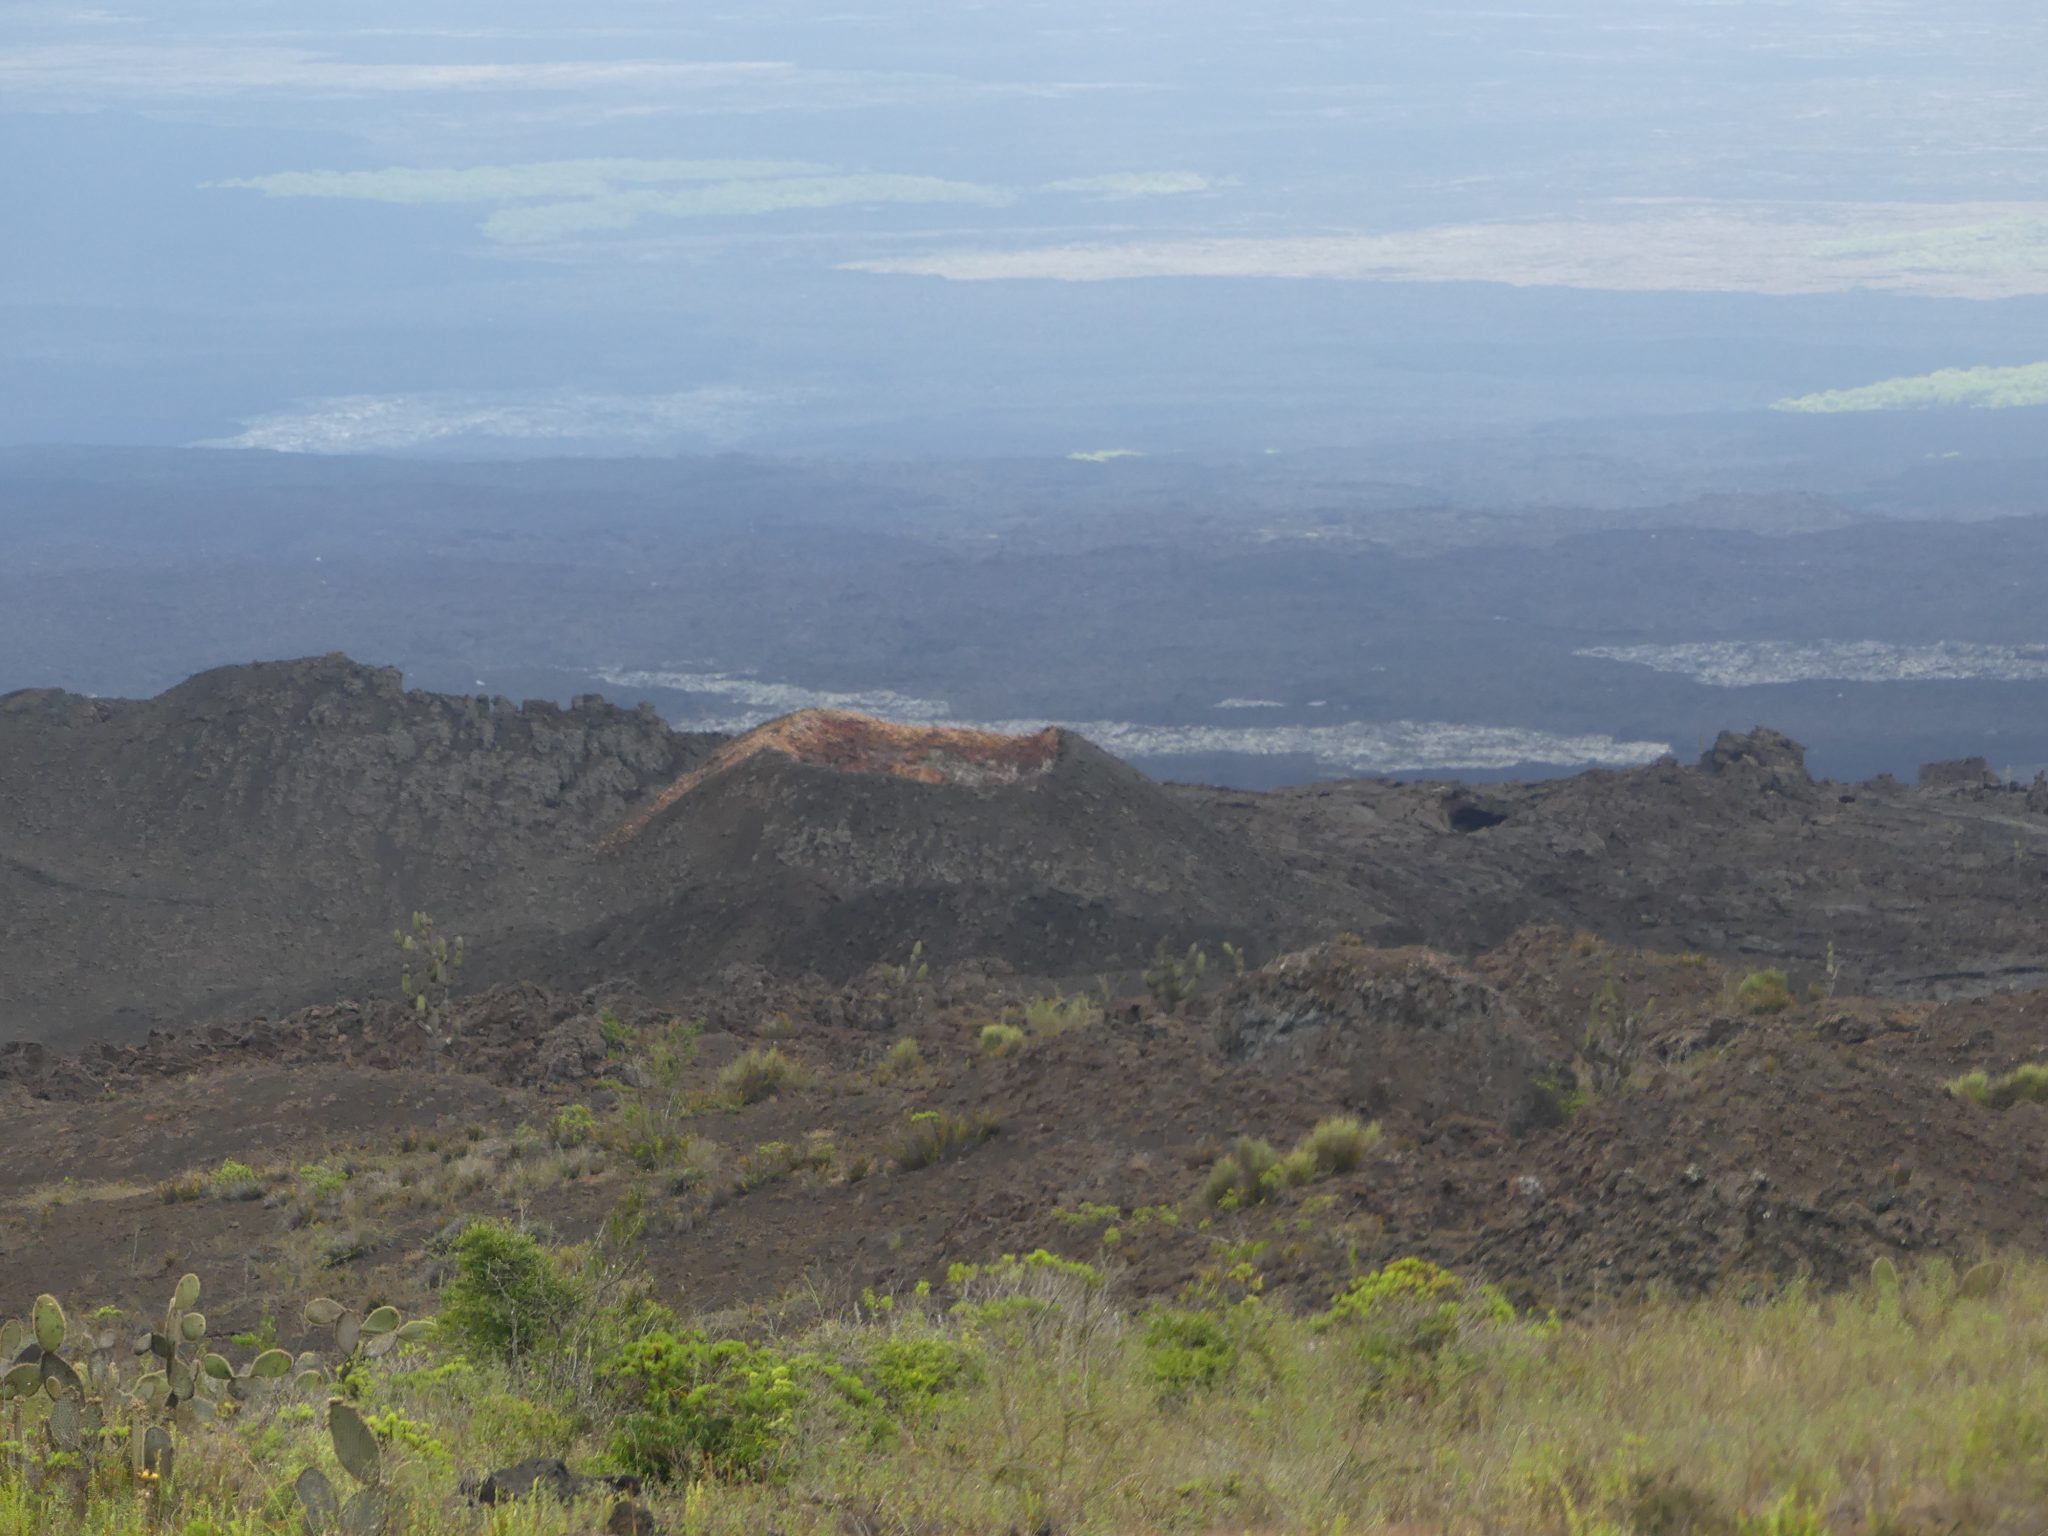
(1881, 1409)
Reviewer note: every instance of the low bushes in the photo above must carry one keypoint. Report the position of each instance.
(1245, 1175)
(905, 1059)
(1252, 1171)
(760, 1074)
(1059, 1014)
(938, 1136)
(510, 1296)
(235, 1181)
(1765, 991)
(1413, 1322)
(2022, 1085)
(1187, 1351)
(1001, 1039)
(698, 1407)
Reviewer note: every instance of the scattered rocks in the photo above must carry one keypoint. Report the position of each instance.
(1411, 1032)
(543, 1477)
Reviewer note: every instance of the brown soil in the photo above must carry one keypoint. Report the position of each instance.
(1748, 1147)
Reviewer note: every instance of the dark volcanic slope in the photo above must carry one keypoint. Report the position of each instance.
(831, 841)
(247, 840)
(1933, 889)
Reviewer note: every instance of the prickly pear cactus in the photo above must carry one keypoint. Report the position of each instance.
(370, 1337)
(1981, 1281)
(366, 1511)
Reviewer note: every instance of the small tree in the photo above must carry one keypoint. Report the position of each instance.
(430, 967)
(509, 1296)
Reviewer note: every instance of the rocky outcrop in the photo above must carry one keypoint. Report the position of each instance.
(1406, 1033)
(1959, 773)
(1763, 759)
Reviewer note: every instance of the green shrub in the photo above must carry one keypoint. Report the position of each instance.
(2027, 1084)
(1790, 1516)
(650, 1125)
(1765, 992)
(760, 1074)
(1014, 1271)
(617, 1037)
(1244, 1175)
(510, 1296)
(572, 1125)
(698, 1408)
(235, 1181)
(1408, 1318)
(905, 1059)
(773, 1161)
(913, 1371)
(1339, 1144)
(320, 1180)
(938, 1136)
(1058, 1015)
(1186, 1352)
(1252, 1171)
(1002, 1039)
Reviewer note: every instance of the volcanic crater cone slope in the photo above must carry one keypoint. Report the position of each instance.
(247, 839)
(827, 842)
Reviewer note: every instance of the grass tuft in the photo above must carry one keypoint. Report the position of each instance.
(2026, 1084)
(938, 1136)
(1001, 1039)
(1765, 992)
(760, 1074)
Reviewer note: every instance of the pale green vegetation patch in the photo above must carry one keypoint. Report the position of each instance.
(1251, 1171)
(618, 210)
(1977, 388)
(532, 181)
(545, 200)
(1002, 1039)
(2018, 244)
(759, 1074)
(2027, 1084)
(1133, 184)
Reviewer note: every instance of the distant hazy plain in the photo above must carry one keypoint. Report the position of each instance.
(1042, 227)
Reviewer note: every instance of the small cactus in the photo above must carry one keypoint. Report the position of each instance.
(1172, 982)
(167, 1394)
(428, 967)
(1981, 1281)
(355, 1446)
(49, 1325)
(373, 1336)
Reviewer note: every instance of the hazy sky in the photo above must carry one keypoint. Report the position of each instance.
(1055, 226)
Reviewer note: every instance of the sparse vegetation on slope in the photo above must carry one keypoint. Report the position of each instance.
(2026, 1084)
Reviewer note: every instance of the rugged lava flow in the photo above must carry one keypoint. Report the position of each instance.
(852, 743)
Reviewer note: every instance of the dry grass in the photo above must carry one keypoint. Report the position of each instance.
(760, 1074)
(2026, 1084)
(1895, 1409)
